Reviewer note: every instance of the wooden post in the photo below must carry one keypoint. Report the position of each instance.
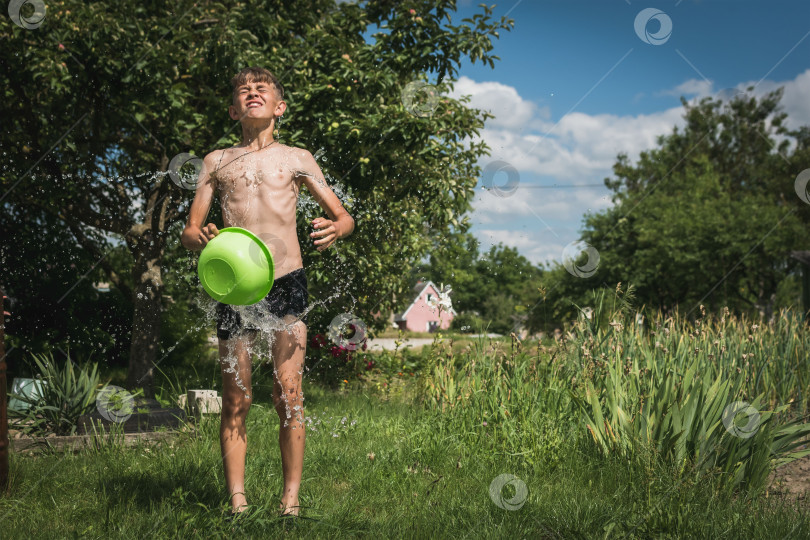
(3, 414)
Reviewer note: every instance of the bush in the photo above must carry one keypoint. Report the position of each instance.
(468, 322)
(334, 357)
(66, 395)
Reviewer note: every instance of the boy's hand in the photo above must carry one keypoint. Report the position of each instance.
(199, 240)
(325, 229)
(209, 231)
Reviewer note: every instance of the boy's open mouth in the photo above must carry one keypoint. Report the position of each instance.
(251, 104)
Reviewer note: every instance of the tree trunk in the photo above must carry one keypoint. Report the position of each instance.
(146, 241)
(147, 319)
(765, 301)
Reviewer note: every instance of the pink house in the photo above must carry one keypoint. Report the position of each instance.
(420, 316)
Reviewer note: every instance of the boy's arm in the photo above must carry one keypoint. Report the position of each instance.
(340, 224)
(195, 236)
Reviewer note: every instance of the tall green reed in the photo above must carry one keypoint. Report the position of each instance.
(682, 388)
(723, 395)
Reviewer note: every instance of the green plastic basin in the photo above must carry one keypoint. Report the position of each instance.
(236, 268)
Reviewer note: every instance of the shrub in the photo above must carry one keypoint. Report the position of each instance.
(468, 322)
(334, 357)
(67, 394)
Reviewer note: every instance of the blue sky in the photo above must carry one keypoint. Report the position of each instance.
(576, 85)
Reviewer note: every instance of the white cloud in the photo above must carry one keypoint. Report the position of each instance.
(538, 249)
(795, 100)
(578, 149)
(510, 110)
(508, 238)
(545, 205)
(691, 87)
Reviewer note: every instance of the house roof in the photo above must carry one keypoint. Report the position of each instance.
(418, 288)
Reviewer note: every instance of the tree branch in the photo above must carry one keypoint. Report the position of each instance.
(105, 265)
(86, 244)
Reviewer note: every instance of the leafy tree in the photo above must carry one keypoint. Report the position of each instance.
(708, 217)
(508, 288)
(453, 262)
(44, 273)
(102, 96)
(500, 285)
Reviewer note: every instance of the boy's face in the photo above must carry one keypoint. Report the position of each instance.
(256, 100)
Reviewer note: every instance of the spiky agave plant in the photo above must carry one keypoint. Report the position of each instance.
(67, 393)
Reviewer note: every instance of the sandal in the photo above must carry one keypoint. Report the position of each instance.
(288, 516)
(285, 513)
(233, 514)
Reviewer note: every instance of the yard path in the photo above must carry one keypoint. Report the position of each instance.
(388, 344)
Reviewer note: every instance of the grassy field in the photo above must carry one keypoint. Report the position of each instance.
(423, 455)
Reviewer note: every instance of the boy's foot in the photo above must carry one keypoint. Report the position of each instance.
(232, 516)
(238, 503)
(289, 510)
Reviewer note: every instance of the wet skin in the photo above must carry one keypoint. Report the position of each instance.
(258, 183)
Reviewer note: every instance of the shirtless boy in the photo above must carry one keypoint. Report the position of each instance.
(258, 184)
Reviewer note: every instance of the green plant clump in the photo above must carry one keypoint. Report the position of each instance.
(67, 393)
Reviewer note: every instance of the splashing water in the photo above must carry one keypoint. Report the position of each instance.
(246, 181)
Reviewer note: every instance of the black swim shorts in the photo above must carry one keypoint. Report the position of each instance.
(289, 295)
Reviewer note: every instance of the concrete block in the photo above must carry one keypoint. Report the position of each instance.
(204, 402)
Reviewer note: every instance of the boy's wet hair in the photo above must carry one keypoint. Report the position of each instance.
(256, 74)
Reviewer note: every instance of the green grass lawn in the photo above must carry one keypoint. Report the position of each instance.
(425, 480)
(439, 439)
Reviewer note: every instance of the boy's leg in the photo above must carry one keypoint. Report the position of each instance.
(288, 358)
(235, 361)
